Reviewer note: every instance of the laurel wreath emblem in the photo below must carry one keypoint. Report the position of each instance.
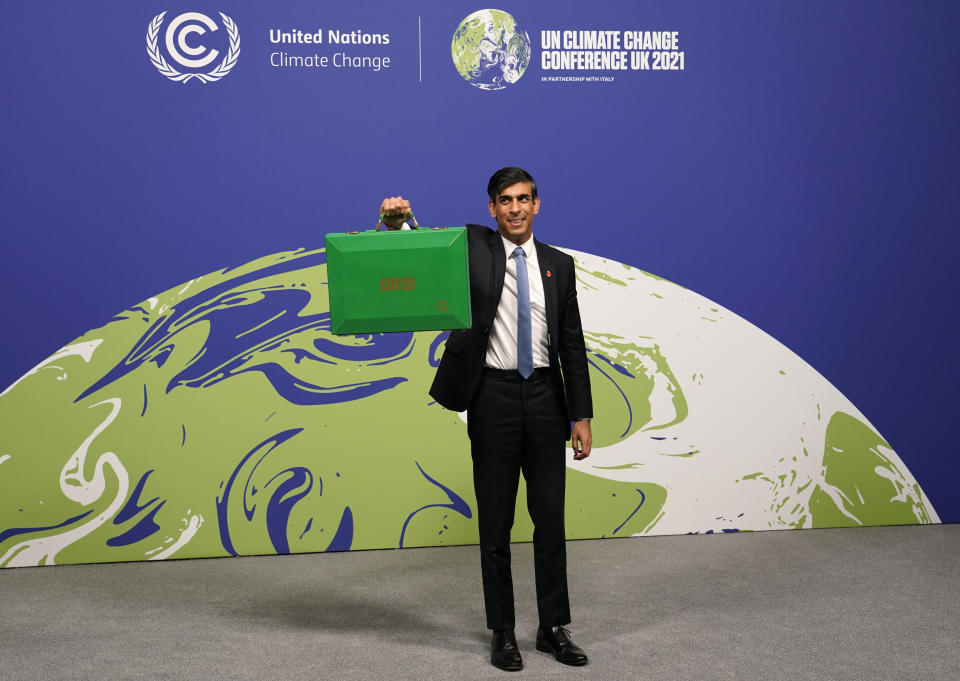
(153, 30)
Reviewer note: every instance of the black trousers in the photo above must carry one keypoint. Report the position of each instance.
(516, 425)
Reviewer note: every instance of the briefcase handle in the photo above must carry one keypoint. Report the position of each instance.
(413, 220)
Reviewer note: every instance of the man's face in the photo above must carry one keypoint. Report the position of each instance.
(514, 208)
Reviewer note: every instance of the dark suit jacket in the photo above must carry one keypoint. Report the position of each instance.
(465, 353)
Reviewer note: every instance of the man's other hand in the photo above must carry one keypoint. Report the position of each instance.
(395, 211)
(581, 440)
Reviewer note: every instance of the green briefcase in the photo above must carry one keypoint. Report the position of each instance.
(410, 280)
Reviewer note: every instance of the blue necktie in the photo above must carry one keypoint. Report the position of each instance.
(524, 335)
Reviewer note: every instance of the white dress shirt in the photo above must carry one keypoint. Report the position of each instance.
(502, 348)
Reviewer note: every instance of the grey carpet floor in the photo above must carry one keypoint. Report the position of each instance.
(870, 604)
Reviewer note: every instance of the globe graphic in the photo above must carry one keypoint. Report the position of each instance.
(222, 417)
(490, 50)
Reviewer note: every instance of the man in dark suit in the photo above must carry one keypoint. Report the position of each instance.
(521, 373)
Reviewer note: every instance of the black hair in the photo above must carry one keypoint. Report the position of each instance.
(506, 177)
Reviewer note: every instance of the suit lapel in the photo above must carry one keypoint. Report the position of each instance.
(549, 279)
(499, 270)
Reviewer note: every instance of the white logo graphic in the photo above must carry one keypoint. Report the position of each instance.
(175, 39)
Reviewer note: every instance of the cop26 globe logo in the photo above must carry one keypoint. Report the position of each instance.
(183, 40)
(490, 50)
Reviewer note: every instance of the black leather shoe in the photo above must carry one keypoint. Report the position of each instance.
(504, 653)
(556, 640)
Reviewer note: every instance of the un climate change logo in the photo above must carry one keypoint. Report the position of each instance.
(490, 50)
(184, 54)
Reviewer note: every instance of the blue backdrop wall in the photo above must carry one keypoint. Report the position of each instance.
(800, 170)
